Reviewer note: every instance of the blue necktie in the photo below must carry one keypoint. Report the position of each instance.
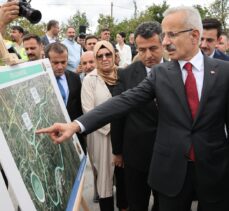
(61, 88)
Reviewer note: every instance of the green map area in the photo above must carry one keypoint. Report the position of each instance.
(48, 170)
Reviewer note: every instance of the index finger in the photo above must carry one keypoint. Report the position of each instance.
(45, 130)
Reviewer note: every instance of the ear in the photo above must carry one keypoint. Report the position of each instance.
(219, 39)
(195, 36)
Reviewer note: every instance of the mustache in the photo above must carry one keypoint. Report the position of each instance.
(170, 47)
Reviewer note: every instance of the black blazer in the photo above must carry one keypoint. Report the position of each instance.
(74, 100)
(134, 135)
(176, 130)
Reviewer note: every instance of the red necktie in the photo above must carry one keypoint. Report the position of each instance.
(192, 97)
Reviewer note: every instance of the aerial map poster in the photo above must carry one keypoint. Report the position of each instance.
(43, 175)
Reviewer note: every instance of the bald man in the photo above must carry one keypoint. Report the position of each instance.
(87, 61)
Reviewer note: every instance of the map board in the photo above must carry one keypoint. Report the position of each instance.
(44, 176)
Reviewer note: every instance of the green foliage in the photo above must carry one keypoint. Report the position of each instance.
(75, 21)
(204, 12)
(105, 21)
(38, 29)
(154, 12)
(219, 9)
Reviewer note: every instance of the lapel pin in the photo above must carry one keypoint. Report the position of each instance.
(212, 72)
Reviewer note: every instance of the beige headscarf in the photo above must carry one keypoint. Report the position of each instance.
(109, 77)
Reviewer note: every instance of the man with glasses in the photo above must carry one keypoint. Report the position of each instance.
(191, 150)
(211, 38)
(137, 130)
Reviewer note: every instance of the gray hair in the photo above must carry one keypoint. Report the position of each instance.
(192, 19)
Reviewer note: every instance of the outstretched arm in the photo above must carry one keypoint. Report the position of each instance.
(60, 132)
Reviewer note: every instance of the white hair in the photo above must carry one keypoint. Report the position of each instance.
(192, 19)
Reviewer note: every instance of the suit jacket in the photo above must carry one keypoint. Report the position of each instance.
(220, 55)
(44, 40)
(177, 131)
(74, 101)
(133, 136)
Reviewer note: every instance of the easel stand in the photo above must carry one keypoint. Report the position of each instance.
(7, 58)
(80, 202)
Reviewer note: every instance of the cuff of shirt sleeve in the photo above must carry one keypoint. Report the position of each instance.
(82, 128)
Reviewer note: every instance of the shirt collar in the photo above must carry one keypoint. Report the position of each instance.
(62, 77)
(212, 55)
(196, 61)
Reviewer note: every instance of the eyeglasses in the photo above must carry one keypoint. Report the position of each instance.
(172, 35)
(106, 55)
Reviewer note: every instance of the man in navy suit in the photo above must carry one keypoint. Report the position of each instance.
(191, 149)
(211, 38)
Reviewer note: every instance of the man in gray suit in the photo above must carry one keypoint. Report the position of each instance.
(191, 151)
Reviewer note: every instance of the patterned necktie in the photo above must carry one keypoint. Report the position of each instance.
(192, 97)
(61, 88)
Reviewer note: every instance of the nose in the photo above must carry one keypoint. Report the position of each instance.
(59, 66)
(88, 66)
(148, 53)
(28, 51)
(203, 43)
(166, 40)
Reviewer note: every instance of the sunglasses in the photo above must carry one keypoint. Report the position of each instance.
(106, 55)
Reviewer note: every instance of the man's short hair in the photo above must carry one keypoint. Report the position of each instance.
(18, 28)
(88, 37)
(105, 29)
(52, 23)
(148, 29)
(212, 23)
(56, 47)
(32, 36)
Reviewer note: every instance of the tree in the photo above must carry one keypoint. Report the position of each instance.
(75, 21)
(219, 9)
(155, 12)
(38, 29)
(106, 21)
(204, 12)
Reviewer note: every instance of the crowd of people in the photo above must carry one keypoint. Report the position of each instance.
(152, 115)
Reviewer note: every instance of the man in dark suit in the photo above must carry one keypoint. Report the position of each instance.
(51, 35)
(68, 82)
(191, 150)
(210, 39)
(133, 136)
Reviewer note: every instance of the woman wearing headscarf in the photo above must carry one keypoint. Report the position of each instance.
(97, 88)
